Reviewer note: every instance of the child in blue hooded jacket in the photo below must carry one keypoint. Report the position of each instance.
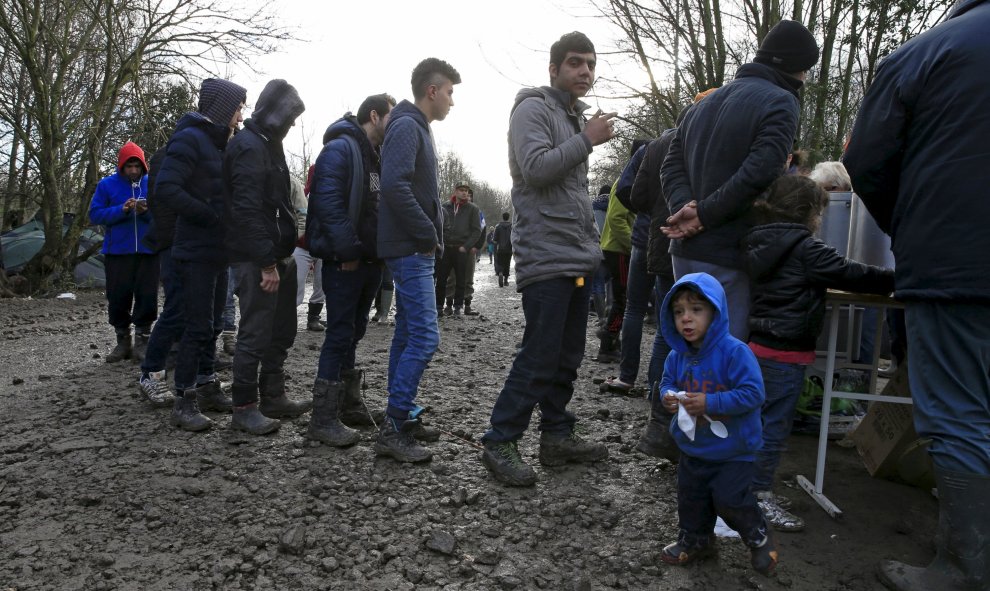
(720, 378)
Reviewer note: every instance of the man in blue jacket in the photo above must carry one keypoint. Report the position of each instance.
(726, 153)
(261, 235)
(410, 238)
(918, 159)
(190, 183)
(342, 230)
(121, 207)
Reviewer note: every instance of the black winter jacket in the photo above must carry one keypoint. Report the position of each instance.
(162, 230)
(331, 232)
(728, 150)
(918, 157)
(190, 183)
(647, 198)
(790, 271)
(261, 222)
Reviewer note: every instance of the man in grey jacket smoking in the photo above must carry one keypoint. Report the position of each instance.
(555, 244)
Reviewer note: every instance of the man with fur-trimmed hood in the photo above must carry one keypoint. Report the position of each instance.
(262, 235)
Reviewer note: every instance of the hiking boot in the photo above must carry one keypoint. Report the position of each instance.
(353, 411)
(656, 440)
(448, 311)
(185, 412)
(778, 517)
(211, 397)
(122, 350)
(324, 424)
(681, 552)
(504, 462)
(274, 402)
(229, 338)
(457, 310)
(313, 322)
(425, 433)
(140, 346)
(763, 556)
(557, 451)
(155, 389)
(249, 419)
(468, 311)
(395, 439)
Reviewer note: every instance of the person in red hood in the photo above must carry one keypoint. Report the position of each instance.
(121, 207)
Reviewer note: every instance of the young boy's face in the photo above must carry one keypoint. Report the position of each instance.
(692, 316)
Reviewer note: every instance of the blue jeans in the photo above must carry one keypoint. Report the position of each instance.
(661, 349)
(735, 282)
(545, 368)
(783, 383)
(417, 334)
(949, 372)
(706, 489)
(170, 323)
(638, 292)
(204, 291)
(349, 296)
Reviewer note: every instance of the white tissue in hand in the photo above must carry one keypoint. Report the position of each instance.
(685, 421)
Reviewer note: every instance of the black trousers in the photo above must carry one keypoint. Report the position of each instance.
(503, 258)
(456, 261)
(132, 291)
(707, 489)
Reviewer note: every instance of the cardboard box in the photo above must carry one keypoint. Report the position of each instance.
(887, 430)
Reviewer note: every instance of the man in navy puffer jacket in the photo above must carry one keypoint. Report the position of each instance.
(191, 184)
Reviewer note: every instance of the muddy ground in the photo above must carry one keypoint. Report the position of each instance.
(98, 492)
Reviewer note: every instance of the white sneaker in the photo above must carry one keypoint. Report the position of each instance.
(155, 389)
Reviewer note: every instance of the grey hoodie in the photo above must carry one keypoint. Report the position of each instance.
(554, 233)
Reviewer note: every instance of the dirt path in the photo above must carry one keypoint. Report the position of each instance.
(98, 492)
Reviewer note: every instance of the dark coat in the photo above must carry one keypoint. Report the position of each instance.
(331, 232)
(790, 271)
(261, 221)
(728, 150)
(647, 198)
(190, 183)
(918, 157)
(162, 230)
(409, 216)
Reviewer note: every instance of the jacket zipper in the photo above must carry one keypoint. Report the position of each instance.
(133, 186)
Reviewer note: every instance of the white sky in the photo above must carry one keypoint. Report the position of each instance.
(354, 49)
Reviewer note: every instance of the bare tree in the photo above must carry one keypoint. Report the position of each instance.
(79, 59)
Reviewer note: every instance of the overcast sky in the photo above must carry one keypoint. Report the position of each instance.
(354, 49)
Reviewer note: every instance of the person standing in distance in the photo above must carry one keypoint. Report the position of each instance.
(556, 248)
(410, 238)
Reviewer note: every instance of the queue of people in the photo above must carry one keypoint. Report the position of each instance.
(740, 298)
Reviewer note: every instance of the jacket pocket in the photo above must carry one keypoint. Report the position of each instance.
(561, 224)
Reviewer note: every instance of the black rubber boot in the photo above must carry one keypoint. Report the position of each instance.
(395, 440)
(962, 552)
(122, 350)
(140, 344)
(249, 419)
(656, 440)
(274, 402)
(211, 397)
(185, 413)
(325, 423)
(313, 318)
(353, 411)
(467, 308)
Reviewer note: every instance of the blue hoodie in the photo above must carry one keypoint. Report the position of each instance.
(123, 231)
(725, 370)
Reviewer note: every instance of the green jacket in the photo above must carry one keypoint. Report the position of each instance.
(617, 233)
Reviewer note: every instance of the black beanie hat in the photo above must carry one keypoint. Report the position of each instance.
(219, 99)
(789, 47)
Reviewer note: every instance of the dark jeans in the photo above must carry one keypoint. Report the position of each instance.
(132, 291)
(661, 349)
(949, 371)
(639, 289)
(349, 297)
(204, 289)
(170, 324)
(709, 489)
(268, 323)
(783, 383)
(545, 368)
(456, 261)
(503, 259)
(618, 268)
